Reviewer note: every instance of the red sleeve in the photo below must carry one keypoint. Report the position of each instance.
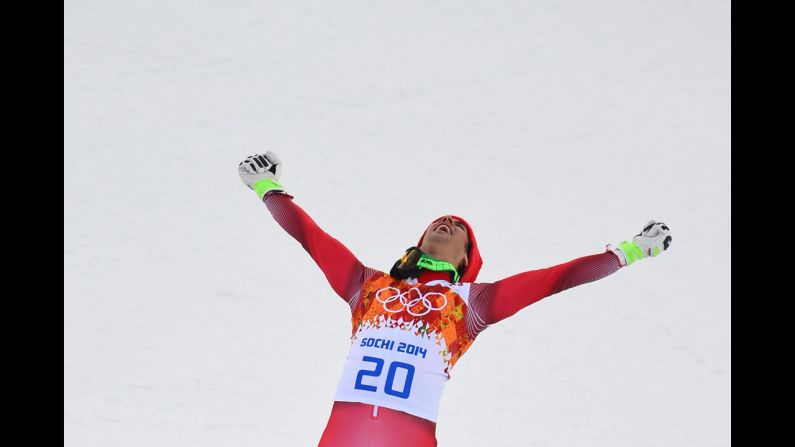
(497, 301)
(344, 271)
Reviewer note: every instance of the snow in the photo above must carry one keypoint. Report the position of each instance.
(554, 128)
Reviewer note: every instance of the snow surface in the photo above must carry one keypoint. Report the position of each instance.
(192, 319)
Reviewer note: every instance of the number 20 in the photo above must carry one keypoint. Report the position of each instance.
(390, 377)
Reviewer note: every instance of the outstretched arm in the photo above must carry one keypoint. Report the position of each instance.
(497, 301)
(342, 269)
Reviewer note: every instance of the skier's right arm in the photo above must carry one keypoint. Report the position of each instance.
(343, 270)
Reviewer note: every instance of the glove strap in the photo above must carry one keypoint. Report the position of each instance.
(631, 251)
(268, 184)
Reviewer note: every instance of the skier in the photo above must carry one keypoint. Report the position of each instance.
(410, 326)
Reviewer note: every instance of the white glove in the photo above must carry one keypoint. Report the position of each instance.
(654, 239)
(261, 173)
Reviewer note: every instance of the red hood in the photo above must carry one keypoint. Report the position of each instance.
(475, 261)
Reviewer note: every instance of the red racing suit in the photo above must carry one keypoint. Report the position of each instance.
(408, 334)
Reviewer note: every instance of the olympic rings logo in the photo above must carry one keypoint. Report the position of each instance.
(395, 295)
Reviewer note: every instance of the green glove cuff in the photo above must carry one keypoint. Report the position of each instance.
(631, 251)
(265, 185)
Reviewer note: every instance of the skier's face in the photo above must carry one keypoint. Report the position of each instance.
(447, 239)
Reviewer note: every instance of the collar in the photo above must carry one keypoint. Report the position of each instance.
(429, 275)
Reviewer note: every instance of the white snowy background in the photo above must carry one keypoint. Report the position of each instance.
(192, 319)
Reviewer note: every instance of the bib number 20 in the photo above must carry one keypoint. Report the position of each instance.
(390, 377)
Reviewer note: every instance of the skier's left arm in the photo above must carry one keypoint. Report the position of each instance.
(496, 301)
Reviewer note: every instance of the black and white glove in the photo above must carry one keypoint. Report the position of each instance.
(654, 239)
(261, 173)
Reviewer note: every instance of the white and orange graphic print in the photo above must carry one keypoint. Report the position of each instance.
(433, 311)
(405, 339)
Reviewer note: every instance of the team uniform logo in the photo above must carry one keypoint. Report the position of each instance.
(409, 300)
